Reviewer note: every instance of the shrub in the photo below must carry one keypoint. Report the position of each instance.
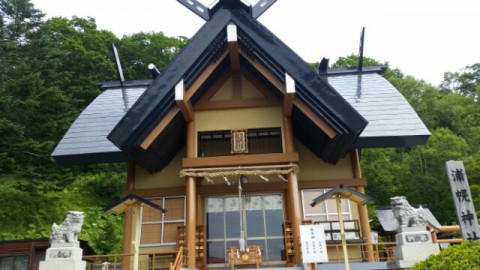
(464, 256)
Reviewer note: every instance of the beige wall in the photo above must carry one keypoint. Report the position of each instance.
(313, 168)
(238, 119)
(168, 177)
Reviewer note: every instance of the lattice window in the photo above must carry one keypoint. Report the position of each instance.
(160, 228)
(258, 141)
(325, 211)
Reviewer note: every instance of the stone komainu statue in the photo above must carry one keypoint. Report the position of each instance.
(68, 231)
(406, 215)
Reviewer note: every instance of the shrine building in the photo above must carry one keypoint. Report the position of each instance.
(236, 136)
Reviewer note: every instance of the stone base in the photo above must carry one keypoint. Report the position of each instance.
(64, 265)
(65, 258)
(400, 264)
(412, 247)
(418, 252)
(413, 238)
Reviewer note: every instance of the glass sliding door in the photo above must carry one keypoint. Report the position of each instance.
(262, 217)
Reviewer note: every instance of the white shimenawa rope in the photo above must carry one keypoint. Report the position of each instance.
(234, 171)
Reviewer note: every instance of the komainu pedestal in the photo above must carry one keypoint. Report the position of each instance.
(65, 252)
(414, 242)
(412, 247)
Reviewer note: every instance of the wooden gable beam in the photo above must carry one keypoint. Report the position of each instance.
(187, 95)
(203, 77)
(232, 39)
(184, 105)
(159, 128)
(265, 73)
(315, 119)
(289, 95)
(282, 87)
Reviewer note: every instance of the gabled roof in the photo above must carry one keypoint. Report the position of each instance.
(128, 201)
(343, 99)
(344, 192)
(392, 122)
(258, 45)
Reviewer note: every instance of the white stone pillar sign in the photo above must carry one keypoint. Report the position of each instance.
(462, 197)
(314, 245)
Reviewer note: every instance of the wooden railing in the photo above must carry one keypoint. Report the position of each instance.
(450, 228)
(148, 261)
(178, 259)
(382, 252)
(174, 261)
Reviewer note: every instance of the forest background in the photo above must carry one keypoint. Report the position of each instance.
(48, 74)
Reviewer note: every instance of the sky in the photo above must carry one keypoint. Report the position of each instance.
(423, 38)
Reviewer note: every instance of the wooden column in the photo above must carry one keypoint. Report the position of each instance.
(362, 209)
(128, 218)
(191, 193)
(136, 235)
(293, 193)
(434, 237)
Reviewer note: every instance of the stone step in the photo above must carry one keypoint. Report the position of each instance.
(323, 266)
(353, 266)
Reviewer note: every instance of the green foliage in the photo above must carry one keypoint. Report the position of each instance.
(18, 18)
(48, 74)
(466, 82)
(464, 256)
(139, 50)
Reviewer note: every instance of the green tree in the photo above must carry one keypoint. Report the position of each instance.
(18, 19)
(465, 82)
(138, 50)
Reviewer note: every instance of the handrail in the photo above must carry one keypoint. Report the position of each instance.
(381, 251)
(178, 260)
(95, 261)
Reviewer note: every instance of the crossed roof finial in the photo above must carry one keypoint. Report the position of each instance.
(206, 13)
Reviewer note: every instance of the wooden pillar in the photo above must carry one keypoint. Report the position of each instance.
(295, 216)
(434, 237)
(127, 237)
(362, 209)
(128, 218)
(342, 232)
(136, 235)
(191, 194)
(293, 192)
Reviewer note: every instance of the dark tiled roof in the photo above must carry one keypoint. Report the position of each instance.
(392, 122)
(395, 125)
(86, 141)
